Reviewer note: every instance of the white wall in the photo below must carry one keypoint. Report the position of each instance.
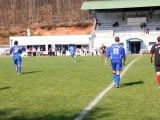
(107, 41)
(41, 40)
(53, 40)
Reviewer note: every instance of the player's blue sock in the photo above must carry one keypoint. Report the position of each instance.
(114, 77)
(117, 79)
(19, 69)
(73, 58)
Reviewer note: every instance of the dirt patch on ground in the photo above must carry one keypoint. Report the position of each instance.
(4, 41)
(64, 31)
(76, 30)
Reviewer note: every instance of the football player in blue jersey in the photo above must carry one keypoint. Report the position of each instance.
(16, 52)
(72, 50)
(116, 53)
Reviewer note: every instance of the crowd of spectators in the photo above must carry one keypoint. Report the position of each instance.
(143, 25)
(54, 51)
(116, 24)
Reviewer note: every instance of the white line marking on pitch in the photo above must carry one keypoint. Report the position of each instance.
(101, 95)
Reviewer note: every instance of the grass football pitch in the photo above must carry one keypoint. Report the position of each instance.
(56, 88)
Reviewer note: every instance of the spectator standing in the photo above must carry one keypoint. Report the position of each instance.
(103, 49)
(38, 51)
(56, 49)
(50, 51)
(63, 51)
(53, 51)
(60, 51)
(78, 52)
(34, 51)
(30, 51)
(88, 51)
(96, 51)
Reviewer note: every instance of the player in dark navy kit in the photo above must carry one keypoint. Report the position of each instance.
(16, 52)
(155, 50)
(116, 53)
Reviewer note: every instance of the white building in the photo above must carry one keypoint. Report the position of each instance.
(134, 22)
(46, 42)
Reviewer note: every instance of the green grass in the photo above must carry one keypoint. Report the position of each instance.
(56, 88)
(137, 99)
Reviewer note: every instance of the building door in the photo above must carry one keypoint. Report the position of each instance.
(134, 47)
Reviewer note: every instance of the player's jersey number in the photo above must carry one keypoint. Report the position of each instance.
(116, 51)
(16, 50)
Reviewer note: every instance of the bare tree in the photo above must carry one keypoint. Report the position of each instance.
(53, 12)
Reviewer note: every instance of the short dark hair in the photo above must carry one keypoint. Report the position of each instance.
(158, 39)
(16, 42)
(117, 39)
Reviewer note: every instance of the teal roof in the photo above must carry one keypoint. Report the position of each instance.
(118, 4)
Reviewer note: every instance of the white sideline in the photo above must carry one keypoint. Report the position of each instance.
(100, 96)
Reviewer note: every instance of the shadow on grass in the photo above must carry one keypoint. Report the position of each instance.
(3, 88)
(31, 72)
(6, 114)
(98, 113)
(45, 117)
(132, 83)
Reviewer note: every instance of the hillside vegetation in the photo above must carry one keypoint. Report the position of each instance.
(43, 17)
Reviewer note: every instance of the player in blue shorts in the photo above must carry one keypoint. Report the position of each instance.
(72, 50)
(16, 52)
(116, 53)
